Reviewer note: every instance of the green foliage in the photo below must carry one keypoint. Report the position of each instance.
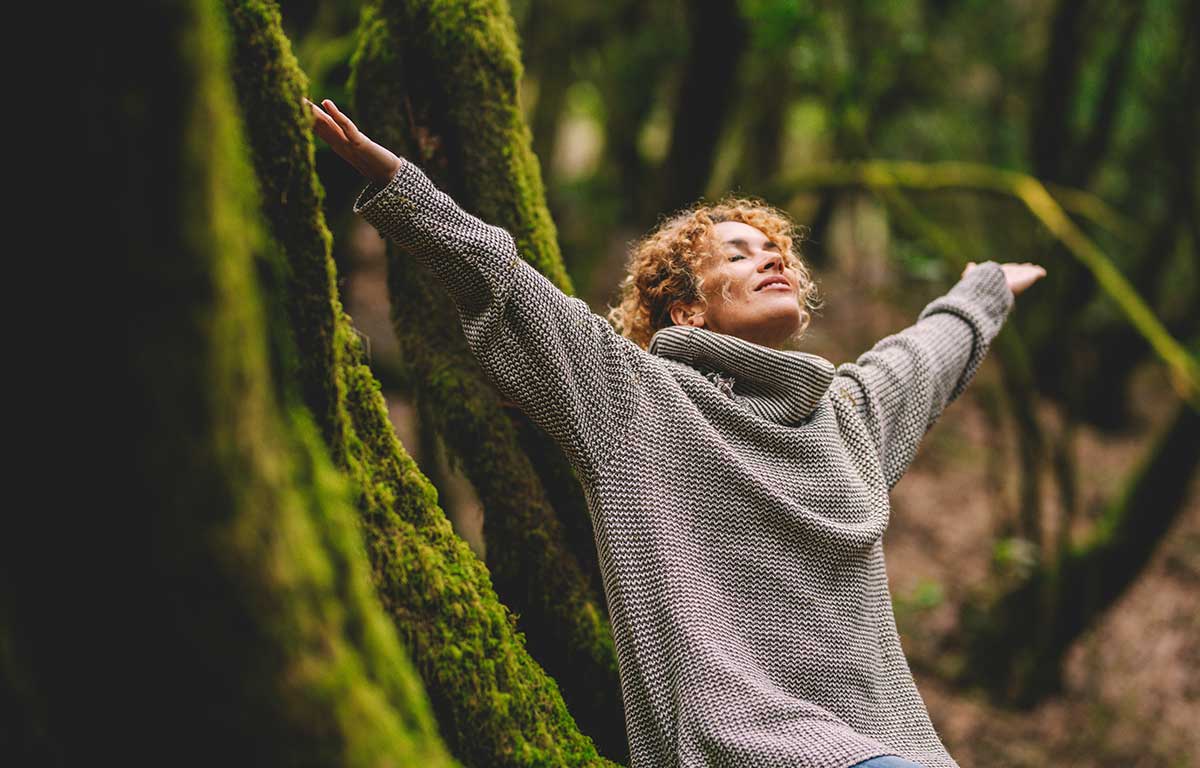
(775, 24)
(925, 596)
(1014, 558)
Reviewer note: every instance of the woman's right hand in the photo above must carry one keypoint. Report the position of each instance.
(377, 163)
(1019, 276)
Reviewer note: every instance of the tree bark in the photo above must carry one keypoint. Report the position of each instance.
(494, 704)
(225, 609)
(439, 86)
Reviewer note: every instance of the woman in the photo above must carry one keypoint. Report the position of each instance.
(738, 491)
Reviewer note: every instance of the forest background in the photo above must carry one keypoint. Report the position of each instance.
(358, 553)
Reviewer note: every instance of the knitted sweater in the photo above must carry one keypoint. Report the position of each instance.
(738, 496)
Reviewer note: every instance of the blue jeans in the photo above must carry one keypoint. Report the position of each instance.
(886, 761)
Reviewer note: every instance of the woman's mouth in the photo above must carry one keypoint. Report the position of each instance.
(774, 281)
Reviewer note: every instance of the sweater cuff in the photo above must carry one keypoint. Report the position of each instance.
(375, 197)
(983, 295)
(983, 300)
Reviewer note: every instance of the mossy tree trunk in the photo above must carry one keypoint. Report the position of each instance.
(493, 702)
(226, 613)
(438, 84)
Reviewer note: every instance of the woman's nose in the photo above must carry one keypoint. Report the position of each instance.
(773, 260)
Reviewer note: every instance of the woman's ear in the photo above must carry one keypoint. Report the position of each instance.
(687, 314)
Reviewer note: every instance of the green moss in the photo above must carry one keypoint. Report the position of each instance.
(460, 120)
(288, 540)
(228, 608)
(270, 83)
(439, 595)
(467, 110)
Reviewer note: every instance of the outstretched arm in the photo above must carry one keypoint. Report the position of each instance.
(902, 384)
(566, 367)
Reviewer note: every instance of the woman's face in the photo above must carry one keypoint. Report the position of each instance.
(764, 305)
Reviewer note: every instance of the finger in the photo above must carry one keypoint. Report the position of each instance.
(343, 122)
(331, 134)
(326, 128)
(316, 113)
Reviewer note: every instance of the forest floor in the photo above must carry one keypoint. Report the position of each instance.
(1131, 693)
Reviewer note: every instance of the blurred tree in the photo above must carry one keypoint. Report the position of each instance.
(553, 37)
(1019, 660)
(768, 88)
(1098, 81)
(1161, 166)
(621, 63)
(717, 42)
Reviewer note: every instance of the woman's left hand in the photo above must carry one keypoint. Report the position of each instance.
(1019, 276)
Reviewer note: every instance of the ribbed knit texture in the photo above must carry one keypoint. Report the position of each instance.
(738, 495)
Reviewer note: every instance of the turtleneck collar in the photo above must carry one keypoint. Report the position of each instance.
(778, 385)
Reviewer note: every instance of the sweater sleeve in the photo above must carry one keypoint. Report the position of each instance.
(907, 379)
(566, 367)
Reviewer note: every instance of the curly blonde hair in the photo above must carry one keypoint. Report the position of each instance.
(664, 267)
